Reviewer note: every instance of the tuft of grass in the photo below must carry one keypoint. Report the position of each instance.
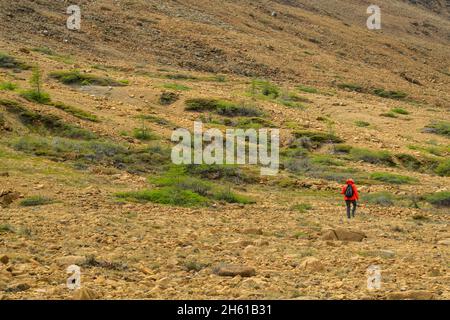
(4, 228)
(144, 134)
(7, 86)
(35, 201)
(76, 77)
(222, 107)
(166, 195)
(384, 198)
(397, 95)
(326, 160)
(372, 156)
(439, 199)
(443, 169)
(264, 89)
(176, 86)
(342, 148)
(392, 178)
(167, 98)
(362, 124)
(409, 161)
(400, 111)
(78, 113)
(9, 62)
(438, 127)
(314, 139)
(351, 87)
(307, 89)
(180, 76)
(35, 96)
(217, 172)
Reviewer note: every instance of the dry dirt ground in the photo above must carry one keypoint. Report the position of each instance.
(134, 250)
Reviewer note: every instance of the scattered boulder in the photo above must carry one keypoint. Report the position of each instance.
(411, 295)
(312, 264)
(343, 235)
(69, 260)
(7, 197)
(225, 270)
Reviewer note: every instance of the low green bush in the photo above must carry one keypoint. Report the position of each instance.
(438, 127)
(78, 113)
(385, 199)
(35, 96)
(362, 124)
(8, 86)
(9, 62)
(439, 199)
(167, 98)
(176, 86)
(35, 201)
(443, 169)
(398, 95)
(222, 107)
(392, 178)
(372, 156)
(76, 77)
(400, 111)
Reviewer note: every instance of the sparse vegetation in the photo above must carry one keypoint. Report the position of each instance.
(76, 77)
(398, 95)
(9, 62)
(36, 94)
(307, 89)
(351, 87)
(384, 199)
(400, 111)
(167, 98)
(222, 107)
(439, 127)
(36, 201)
(392, 178)
(388, 115)
(8, 86)
(362, 124)
(443, 169)
(301, 207)
(439, 199)
(314, 139)
(143, 133)
(372, 156)
(176, 86)
(78, 113)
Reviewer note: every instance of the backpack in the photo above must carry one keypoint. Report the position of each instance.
(349, 191)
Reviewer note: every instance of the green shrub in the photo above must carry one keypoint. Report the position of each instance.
(76, 77)
(8, 86)
(216, 172)
(342, 148)
(12, 106)
(439, 199)
(167, 98)
(292, 100)
(9, 62)
(265, 89)
(35, 201)
(155, 119)
(385, 199)
(439, 127)
(372, 156)
(78, 113)
(4, 228)
(222, 107)
(34, 96)
(326, 160)
(179, 76)
(362, 124)
(392, 178)
(144, 134)
(409, 161)
(398, 95)
(230, 197)
(443, 169)
(316, 138)
(176, 86)
(400, 111)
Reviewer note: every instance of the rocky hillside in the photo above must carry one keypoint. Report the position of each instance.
(86, 177)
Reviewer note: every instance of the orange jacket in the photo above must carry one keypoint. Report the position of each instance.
(355, 191)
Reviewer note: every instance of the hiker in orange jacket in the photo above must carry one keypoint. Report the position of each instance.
(350, 196)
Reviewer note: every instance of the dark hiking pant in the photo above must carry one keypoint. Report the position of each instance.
(348, 203)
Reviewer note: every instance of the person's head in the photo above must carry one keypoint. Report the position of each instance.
(350, 181)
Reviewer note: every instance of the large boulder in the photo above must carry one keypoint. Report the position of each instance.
(343, 235)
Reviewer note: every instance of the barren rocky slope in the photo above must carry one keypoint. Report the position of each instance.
(349, 102)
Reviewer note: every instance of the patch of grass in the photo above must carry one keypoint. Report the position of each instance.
(180, 76)
(243, 123)
(194, 266)
(351, 87)
(76, 77)
(166, 195)
(222, 107)
(307, 89)
(144, 134)
(443, 169)
(409, 161)
(400, 111)
(155, 119)
(388, 115)
(292, 100)
(7, 86)
(231, 197)
(78, 113)
(384, 198)
(9, 62)
(314, 138)
(438, 127)
(372, 156)
(302, 207)
(342, 148)
(392, 178)
(176, 86)
(217, 172)
(35, 201)
(362, 124)
(439, 199)
(397, 95)
(12, 106)
(326, 160)
(167, 98)
(35, 96)
(265, 89)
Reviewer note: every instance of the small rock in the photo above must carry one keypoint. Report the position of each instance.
(343, 235)
(312, 264)
(234, 270)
